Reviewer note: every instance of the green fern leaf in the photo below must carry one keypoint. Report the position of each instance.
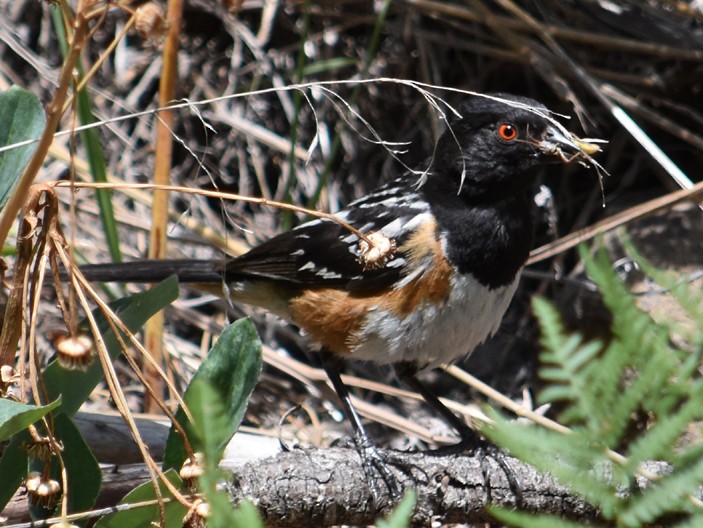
(602, 388)
(659, 441)
(525, 520)
(564, 456)
(566, 360)
(688, 298)
(635, 395)
(695, 521)
(668, 494)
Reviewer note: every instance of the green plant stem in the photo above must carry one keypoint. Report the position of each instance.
(96, 159)
(287, 216)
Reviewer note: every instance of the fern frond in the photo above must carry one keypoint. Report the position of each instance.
(636, 361)
(551, 327)
(668, 494)
(695, 521)
(637, 394)
(569, 458)
(688, 456)
(639, 373)
(688, 298)
(565, 358)
(660, 440)
(525, 520)
(629, 326)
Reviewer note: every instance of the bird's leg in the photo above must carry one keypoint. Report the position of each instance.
(371, 459)
(470, 441)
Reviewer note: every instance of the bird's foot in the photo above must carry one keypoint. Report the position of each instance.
(483, 450)
(488, 450)
(375, 465)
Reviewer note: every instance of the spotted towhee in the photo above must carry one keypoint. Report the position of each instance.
(449, 242)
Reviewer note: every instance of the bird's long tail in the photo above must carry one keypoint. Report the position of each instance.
(187, 270)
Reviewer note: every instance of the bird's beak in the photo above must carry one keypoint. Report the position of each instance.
(561, 143)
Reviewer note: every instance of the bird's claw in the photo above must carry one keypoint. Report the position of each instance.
(375, 465)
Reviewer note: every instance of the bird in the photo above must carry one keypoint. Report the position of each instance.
(426, 274)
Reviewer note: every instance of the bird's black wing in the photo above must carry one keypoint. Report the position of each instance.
(324, 253)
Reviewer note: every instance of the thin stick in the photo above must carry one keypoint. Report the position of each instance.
(224, 196)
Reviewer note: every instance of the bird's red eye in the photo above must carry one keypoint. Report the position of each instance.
(507, 131)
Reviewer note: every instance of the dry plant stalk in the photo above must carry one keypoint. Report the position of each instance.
(153, 335)
(377, 246)
(42, 241)
(624, 217)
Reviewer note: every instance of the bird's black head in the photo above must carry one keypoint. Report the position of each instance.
(492, 148)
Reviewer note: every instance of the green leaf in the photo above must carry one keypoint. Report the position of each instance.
(13, 466)
(84, 474)
(232, 368)
(15, 416)
(212, 430)
(246, 516)
(74, 385)
(144, 516)
(400, 518)
(93, 146)
(210, 421)
(22, 118)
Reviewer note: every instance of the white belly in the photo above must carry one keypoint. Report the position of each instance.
(437, 333)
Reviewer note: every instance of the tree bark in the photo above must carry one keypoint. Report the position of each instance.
(325, 487)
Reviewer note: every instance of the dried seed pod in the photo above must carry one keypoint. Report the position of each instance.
(150, 21)
(191, 470)
(8, 377)
(197, 515)
(43, 448)
(378, 253)
(74, 352)
(42, 490)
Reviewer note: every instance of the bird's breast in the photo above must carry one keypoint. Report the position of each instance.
(434, 332)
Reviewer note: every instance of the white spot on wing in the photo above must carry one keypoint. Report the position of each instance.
(416, 221)
(397, 262)
(394, 229)
(326, 274)
(311, 223)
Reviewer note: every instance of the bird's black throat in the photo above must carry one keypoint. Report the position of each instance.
(489, 239)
